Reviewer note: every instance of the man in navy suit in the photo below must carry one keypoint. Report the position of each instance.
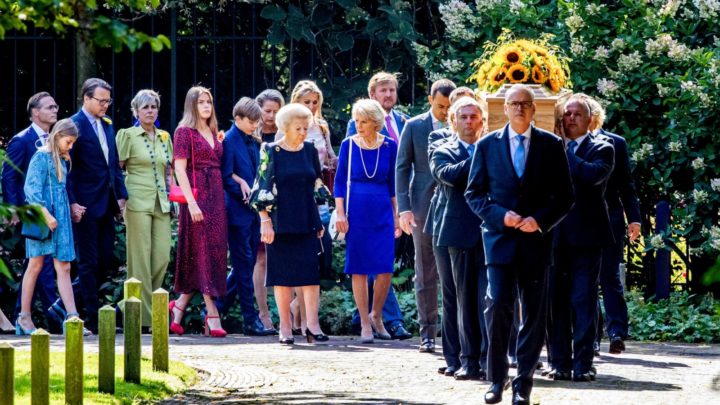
(240, 160)
(460, 232)
(414, 188)
(520, 187)
(582, 235)
(96, 192)
(383, 88)
(42, 112)
(622, 202)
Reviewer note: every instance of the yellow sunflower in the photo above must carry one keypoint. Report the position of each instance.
(517, 73)
(512, 55)
(554, 84)
(538, 76)
(497, 75)
(559, 73)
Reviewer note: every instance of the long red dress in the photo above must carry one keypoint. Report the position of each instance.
(201, 263)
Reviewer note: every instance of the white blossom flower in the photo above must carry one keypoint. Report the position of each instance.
(674, 146)
(657, 241)
(700, 196)
(654, 47)
(670, 8)
(708, 9)
(601, 53)
(607, 88)
(433, 76)
(516, 6)
(574, 23)
(618, 44)
(629, 62)
(662, 90)
(459, 20)
(698, 163)
(715, 184)
(452, 65)
(421, 53)
(643, 153)
(577, 47)
(487, 5)
(594, 9)
(679, 52)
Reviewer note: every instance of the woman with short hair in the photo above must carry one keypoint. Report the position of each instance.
(286, 193)
(146, 154)
(367, 212)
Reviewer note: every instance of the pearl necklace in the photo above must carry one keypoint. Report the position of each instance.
(362, 159)
(290, 148)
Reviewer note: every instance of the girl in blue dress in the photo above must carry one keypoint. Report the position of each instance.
(45, 187)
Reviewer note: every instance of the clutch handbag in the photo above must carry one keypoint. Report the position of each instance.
(176, 194)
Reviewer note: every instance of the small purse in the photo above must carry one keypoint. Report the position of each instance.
(176, 194)
(38, 230)
(332, 226)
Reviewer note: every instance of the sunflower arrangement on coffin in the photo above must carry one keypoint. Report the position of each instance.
(530, 61)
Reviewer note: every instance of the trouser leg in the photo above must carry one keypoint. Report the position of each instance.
(584, 291)
(450, 332)
(138, 226)
(498, 316)
(426, 282)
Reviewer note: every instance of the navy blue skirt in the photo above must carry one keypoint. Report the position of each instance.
(293, 260)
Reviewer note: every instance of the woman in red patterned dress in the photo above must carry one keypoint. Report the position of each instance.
(201, 263)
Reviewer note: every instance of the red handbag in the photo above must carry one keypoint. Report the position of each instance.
(176, 194)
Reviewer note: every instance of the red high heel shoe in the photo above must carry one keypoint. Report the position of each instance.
(175, 328)
(219, 332)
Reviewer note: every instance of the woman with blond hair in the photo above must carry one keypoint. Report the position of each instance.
(145, 153)
(201, 263)
(45, 186)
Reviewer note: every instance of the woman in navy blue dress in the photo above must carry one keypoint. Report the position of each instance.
(367, 212)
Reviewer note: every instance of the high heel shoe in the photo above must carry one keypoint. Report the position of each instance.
(19, 330)
(379, 335)
(175, 327)
(219, 332)
(69, 315)
(320, 337)
(286, 340)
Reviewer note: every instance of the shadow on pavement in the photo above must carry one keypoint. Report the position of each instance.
(608, 382)
(299, 397)
(643, 363)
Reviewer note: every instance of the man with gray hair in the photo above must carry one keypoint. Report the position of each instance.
(520, 186)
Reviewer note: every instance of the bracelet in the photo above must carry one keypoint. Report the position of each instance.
(266, 220)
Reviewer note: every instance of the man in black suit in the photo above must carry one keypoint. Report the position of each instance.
(622, 202)
(414, 188)
(520, 187)
(460, 232)
(96, 192)
(581, 237)
(42, 112)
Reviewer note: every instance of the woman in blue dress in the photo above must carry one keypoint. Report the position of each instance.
(367, 212)
(45, 187)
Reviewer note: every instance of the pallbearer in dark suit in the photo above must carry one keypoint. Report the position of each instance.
(42, 111)
(414, 188)
(622, 202)
(460, 232)
(96, 192)
(581, 237)
(520, 187)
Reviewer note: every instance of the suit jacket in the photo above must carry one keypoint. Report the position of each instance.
(620, 193)
(588, 224)
(438, 200)
(545, 192)
(459, 227)
(413, 181)
(241, 156)
(400, 119)
(20, 150)
(92, 182)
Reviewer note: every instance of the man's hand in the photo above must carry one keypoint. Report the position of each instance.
(76, 212)
(528, 225)
(407, 222)
(512, 219)
(633, 231)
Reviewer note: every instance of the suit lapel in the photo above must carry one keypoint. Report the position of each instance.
(534, 154)
(584, 147)
(506, 157)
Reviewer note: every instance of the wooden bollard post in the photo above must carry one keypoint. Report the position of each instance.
(133, 322)
(74, 361)
(40, 367)
(133, 288)
(160, 332)
(106, 358)
(7, 374)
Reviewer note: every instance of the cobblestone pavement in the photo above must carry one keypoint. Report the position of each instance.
(245, 370)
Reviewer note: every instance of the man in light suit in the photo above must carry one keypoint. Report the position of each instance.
(96, 192)
(582, 235)
(382, 87)
(460, 232)
(414, 188)
(622, 202)
(42, 112)
(520, 187)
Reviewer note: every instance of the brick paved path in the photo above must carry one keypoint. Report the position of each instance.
(246, 370)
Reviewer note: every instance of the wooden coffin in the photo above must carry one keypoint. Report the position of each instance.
(548, 108)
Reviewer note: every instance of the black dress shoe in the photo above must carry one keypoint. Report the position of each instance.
(441, 370)
(320, 337)
(520, 399)
(617, 345)
(258, 329)
(398, 332)
(583, 377)
(494, 394)
(469, 374)
(427, 346)
(450, 371)
(559, 375)
(596, 348)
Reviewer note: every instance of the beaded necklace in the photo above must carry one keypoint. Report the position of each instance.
(152, 158)
(362, 160)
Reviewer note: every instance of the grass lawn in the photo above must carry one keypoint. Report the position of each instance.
(155, 385)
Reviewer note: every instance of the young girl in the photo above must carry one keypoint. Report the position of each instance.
(45, 186)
